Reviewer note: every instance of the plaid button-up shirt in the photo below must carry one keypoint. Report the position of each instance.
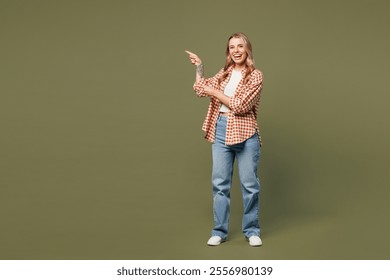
(242, 118)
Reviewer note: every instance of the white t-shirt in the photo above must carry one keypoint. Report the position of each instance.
(230, 88)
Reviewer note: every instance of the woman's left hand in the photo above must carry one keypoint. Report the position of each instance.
(210, 91)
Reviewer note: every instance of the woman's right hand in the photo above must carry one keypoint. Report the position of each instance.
(194, 58)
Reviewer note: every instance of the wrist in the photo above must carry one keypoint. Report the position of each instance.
(216, 93)
(200, 70)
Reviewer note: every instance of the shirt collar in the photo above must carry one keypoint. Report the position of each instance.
(230, 70)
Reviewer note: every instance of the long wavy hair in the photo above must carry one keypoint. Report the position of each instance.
(249, 62)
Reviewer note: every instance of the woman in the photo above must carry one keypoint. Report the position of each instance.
(231, 125)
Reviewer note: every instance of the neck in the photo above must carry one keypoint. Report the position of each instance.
(239, 67)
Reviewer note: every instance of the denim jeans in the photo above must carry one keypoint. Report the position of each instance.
(248, 156)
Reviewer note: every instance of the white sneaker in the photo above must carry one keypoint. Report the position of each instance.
(214, 240)
(255, 241)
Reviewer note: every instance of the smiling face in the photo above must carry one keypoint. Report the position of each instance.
(237, 52)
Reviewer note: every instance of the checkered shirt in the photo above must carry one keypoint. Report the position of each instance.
(242, 118)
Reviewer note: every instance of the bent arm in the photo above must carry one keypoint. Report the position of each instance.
(224, 99)
(195, 60)
(205, 87)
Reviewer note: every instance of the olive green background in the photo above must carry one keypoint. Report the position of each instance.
(102, 153)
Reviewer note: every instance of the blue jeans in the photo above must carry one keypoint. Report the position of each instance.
(248, 156)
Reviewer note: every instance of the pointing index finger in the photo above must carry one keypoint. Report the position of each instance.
(190, 53)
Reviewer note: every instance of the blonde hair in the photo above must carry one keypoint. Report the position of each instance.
(249, 62)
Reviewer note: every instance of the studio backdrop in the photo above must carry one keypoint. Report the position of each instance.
(101, 150)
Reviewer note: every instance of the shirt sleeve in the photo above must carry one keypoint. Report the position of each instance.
(243, 103)
(211, 82)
